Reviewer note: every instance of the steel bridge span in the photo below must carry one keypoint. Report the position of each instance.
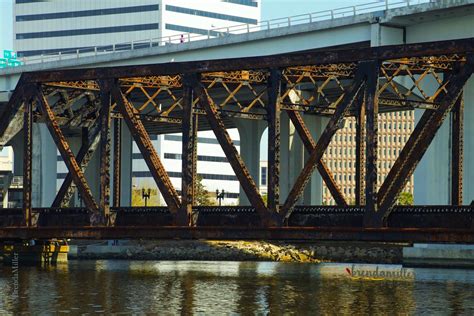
(192, 96)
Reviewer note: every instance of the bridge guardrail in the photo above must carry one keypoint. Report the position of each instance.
(226, 31)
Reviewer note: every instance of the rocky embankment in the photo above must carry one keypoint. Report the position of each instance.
(243, 251)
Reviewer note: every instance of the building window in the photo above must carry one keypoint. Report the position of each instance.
(202, 140)
(211, 15)
(250, 3)
(85, 13)
(175, 174)
(263, 176)
(98, 30)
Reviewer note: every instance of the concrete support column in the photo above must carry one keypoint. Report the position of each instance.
(296, 157)
(313, 193)
(75, 144)
(17, 146)
(432, 175)
(250, 132)
(126, 167)
(468, 177)
(44, 167)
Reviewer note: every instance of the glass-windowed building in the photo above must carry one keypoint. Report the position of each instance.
(44, 27)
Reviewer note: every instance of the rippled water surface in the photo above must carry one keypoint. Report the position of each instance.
(168, 287)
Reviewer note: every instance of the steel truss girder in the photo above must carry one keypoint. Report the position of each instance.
(274, 139)
(372, 112)
(66, 153)
(117, 162)
(360, 153)
(419, 141)
(105, 148)
(27, 160)
(147, 150)
(189, 153)
(310, 146)
(268, 218)
(333, 125)
(84, 156)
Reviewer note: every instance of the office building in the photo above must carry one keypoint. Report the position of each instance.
(44, 27)
(394, 130)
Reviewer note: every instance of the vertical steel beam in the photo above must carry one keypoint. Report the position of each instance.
(147, 150)
(274, 112)
(27, 160)
(117, 161)
(333, 125)
(372, 112)
(457, 152)
(104, 122)
(421, 138)
(310, 146)
(360, 154)
(66, 153)
(189, 146)
(84, 156)
(268, 218)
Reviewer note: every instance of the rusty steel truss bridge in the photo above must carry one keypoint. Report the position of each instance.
(205, 95)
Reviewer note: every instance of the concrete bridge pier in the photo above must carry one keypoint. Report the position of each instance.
(468, 175)
(92, 172)
(43, 164)
(313, 194)
(250, 132)
(291, 156)
(44, 167)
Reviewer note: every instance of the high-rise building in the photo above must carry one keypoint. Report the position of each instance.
(43, 27)
(394, 129)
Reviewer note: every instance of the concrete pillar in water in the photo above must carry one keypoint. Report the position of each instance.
(250, 132)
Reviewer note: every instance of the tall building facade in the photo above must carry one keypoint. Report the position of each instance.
(50, 26)
(394, 129)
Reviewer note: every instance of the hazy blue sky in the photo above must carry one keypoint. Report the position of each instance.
(271, 9)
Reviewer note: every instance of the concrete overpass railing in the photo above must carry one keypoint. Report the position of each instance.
(374, 6)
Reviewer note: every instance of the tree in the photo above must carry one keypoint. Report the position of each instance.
(405, 198)
(202, 196)
(265, 198)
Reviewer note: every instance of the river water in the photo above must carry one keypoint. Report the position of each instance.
(214, 288)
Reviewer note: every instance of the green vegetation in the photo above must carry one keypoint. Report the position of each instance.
(405, 198)
(202, 196)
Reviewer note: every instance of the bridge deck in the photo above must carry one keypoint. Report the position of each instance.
(405, 224)
(243, 233)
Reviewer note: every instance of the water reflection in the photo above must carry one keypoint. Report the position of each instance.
(228, 287)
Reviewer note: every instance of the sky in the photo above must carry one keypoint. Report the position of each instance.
(271, 9)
